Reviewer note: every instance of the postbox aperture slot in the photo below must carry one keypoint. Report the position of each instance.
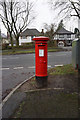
(41, 45)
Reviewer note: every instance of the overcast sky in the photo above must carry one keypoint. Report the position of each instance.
(46, 15)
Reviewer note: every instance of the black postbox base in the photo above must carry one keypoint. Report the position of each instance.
(41, 81)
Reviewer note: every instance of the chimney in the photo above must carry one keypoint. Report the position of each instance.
(7, 35)
(42, 32)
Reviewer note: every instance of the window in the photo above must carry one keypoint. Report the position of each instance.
(24, 37)
(61, 36)
(68, 36)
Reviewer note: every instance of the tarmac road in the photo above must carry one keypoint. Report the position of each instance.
(17, 68)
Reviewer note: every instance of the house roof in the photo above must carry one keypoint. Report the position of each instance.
(64, 31)
(30, 32)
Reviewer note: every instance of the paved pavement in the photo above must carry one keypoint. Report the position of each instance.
(17, 68)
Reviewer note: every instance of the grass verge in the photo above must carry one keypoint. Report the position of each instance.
(62, 70)
(13, 52)
(26, 51)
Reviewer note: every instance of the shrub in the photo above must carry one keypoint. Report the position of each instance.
(50, 43)
(27, 45)
(5, 46)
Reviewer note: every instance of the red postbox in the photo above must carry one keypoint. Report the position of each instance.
(41, 59)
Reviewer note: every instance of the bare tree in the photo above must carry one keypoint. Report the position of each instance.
(50, 29)
(16, 16)
(68, 7)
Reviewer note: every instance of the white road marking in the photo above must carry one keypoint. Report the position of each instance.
(49, 66)
(18, 68)
(58, 65)
(13, 57)
(34, 66)
(58, 88)
(4, 68)
(15, 68)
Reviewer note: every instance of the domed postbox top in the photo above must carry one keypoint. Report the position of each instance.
(41, 38)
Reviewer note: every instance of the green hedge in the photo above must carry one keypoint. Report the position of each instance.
(23, 46)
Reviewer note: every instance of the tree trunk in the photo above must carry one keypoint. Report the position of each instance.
(11, 43)
(17, 41)
(11, 40)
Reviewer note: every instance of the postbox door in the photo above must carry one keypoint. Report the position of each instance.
(41, 66)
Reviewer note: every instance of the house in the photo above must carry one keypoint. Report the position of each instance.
(64, 37)
(27, 35)
(4, 39)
